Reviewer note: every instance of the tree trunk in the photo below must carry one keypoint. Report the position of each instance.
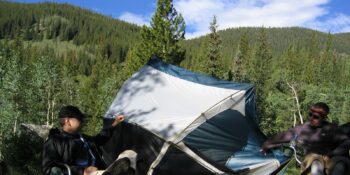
(1, 136)
(296, 101)
(48, 108)
(16, 118)
(52, 111)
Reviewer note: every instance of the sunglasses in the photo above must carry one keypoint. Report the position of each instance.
(314, 116)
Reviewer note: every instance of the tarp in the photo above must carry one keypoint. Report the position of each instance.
(175, 116)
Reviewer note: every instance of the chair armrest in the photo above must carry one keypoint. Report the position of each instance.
(62, 166)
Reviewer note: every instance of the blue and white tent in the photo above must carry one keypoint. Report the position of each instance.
(181, 122)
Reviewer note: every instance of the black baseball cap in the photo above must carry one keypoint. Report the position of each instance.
(71, 112)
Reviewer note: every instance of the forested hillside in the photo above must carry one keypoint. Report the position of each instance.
(279, 38)
(57, 54)
(62, 22)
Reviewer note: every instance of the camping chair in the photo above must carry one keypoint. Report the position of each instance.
(290, 150)
(60, 169)
(293, 146)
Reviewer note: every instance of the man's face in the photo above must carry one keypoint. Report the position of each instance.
(73, 124)
(316, 117)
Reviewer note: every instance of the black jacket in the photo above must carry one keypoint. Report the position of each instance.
(62, 147)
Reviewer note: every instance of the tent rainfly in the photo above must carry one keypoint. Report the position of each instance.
(181, 122)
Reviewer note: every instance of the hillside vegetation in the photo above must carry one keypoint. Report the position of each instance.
(279, 39)
(63, 22)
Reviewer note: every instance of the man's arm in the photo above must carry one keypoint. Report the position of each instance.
(279, 139)
(106, 133)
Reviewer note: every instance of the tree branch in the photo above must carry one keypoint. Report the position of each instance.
(297, 101)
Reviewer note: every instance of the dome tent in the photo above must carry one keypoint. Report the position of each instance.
(181, 122)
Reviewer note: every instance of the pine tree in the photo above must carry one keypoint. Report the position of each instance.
(262, 62)
(261, 73)
(96, 91)
(311, 61)
(242, 60)
(134, 60)
(162, 38)
(327, 62)
(214, 63)
(68, 80)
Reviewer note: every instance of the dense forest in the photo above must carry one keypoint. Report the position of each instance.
(57, 54)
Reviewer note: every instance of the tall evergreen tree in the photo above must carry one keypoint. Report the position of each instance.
(262, 61)
(162, 38)
(68, 80)
(327, 62)
(96, 92)
(311, 60)
(134, 60)
(214, 63)
(242, 60)
(261, 72)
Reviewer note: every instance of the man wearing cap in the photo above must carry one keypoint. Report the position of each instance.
(67, 145)
(325, 145)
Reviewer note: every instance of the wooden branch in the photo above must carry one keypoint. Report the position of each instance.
(48, 108)
(52, 111)
(16, 118)
(297, 102)
(1, 142)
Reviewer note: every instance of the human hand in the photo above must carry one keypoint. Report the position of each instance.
(326, 158)
(89, 170)
(118, 119)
